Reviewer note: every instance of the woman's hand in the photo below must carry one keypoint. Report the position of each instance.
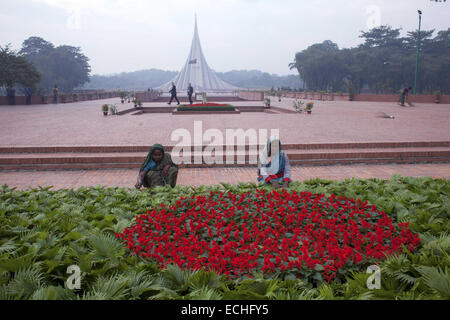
(166, 170)
(140, 180)
(138, 185)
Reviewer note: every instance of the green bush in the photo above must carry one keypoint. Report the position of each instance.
(44, 231)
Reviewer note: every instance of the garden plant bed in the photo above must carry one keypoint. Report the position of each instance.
(206, 107)
(43, 232)
(296, 235)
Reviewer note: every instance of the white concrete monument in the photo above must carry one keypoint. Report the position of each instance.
(198, 73)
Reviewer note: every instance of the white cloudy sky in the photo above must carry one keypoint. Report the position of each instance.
(129, 35)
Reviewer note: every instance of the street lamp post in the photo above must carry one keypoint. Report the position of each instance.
(418, 52)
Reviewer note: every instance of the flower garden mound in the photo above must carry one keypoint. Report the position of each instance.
(297, 235)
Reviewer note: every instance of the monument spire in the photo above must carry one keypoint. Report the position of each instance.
(197, 71)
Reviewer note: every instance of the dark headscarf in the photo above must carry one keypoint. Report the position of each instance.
(155, 147)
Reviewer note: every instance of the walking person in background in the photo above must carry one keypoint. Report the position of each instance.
(190, 92)
(55, 94)
(11, 92)
(173, 94)
(404, 96)
(28, 95)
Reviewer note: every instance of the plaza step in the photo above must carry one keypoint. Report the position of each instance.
(131, 157)
(282, 110)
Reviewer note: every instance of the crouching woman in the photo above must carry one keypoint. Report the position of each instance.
(158, 169)
(273, 165)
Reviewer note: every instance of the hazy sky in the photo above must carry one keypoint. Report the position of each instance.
(130, 35)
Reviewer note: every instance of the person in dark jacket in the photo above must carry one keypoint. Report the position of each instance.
(190, 92)
(404, 96)
(173, 94)
(55, 94)
(11, 92)
(28, 95)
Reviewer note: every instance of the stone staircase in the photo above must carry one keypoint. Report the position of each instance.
(131, 157)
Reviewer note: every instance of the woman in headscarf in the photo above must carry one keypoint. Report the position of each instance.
(158, 169)
(273, 164)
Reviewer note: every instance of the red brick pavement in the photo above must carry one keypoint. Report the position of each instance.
(82, 124)
(212, 176)
(331, 121)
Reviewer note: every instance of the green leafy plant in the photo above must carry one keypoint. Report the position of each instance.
(437, 96)
(298, 105)
(113, 109)
(43, 231)
(351, 91)
(309, 106)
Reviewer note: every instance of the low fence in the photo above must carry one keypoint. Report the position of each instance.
(148, 96)
(62, 98)
(422, 98)
(317, 96)
(251, 95)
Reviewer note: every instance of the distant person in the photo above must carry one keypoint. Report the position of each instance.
(28, 95)
(11, 93)
(158, 169)
(173, 94)
(274, 168)
(404, 96)
(190, 92)
(55, 94)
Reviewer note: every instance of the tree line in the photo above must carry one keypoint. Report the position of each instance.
(144, 79)
(41, 66)
(384, 63)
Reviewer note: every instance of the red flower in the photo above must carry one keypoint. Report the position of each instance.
(272, 232)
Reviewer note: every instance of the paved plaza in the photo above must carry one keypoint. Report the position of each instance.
(82, 124)
(331, 121)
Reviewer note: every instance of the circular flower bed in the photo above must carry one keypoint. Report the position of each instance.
(295, 234)
(208, 104)
(206, 107)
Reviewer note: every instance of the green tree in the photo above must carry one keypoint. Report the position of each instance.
(320, 66)
(383, 36)
(15, 70)
(65, 66)
(35, 46)
(383, 63)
